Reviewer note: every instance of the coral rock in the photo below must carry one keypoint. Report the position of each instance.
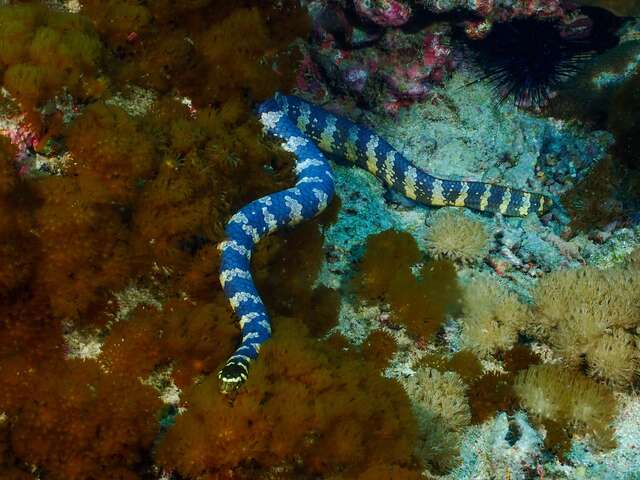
(385, 13)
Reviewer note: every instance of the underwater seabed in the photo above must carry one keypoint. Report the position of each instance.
(479, 134)
(506, 445)
(461, 308)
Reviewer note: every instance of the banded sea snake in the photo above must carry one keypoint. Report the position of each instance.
(307, 130)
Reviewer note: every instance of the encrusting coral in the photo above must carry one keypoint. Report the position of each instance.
(455, 236)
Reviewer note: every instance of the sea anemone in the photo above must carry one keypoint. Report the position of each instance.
(528, 59)
(457, 237)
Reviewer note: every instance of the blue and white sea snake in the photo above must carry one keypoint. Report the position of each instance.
(306, 131)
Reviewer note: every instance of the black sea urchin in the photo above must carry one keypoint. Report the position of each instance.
(527, 59)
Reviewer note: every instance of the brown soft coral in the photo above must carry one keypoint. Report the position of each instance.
(615, 358)
(68, 417)
(306, 409)
(86, 252)
(232, 49)
(492, 317)
(210, 51)
(386, 274)
(595, 299)
(378, 348)
(45, 51)
(194, 338)
(241, 51)
(19, 244)
(455, 236)
(116, 19)
(491, 393)
(442, 411)
(143, 199)
(83, 423)
(112, 154)
(211, 164)
(286, 266)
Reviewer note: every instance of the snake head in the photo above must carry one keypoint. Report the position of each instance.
(232, 376)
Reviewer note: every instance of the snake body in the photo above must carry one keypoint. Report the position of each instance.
(307, 130)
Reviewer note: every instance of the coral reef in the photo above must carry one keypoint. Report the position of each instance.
(131, 203)
(132, 139)
(400, 70)
(385, 13)
(368, 49)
